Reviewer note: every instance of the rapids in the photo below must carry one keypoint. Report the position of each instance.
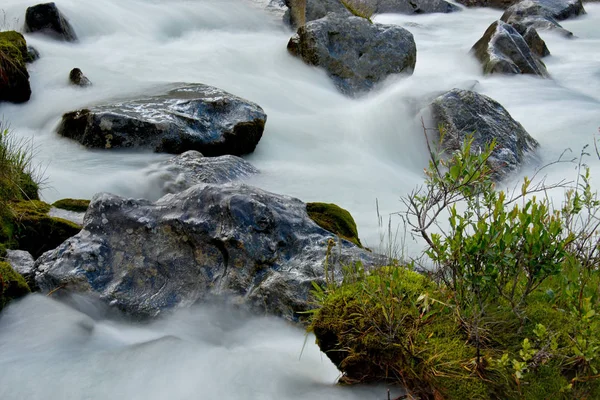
(318, 146)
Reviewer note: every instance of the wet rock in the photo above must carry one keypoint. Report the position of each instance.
(32, 54)
(253, 247)
(186, 117)
(501, 4)
(503, 50)
(77, 78)
(543, 14)
(355, 53)
(464, 112)
(46, 18)
(414, 6)
(22, 262)
(317, 9)
(190, 168)
(532, 38)
(14, 78)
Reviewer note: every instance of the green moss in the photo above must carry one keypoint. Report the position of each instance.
(75, 205)
(13, 49)
(12, 285)
(335, 220)
(392, 326)
(35, 231)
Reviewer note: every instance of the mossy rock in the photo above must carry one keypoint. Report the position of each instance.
(75, 205)
(376, 329)
(12, 285)
(33, 230)
(334, 219)
(14, 78)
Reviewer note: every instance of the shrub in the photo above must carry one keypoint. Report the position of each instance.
(509, 309)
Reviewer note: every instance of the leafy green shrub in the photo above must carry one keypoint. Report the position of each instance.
(509, 310)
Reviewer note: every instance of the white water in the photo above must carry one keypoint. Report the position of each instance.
(318, 145)
(51, 351)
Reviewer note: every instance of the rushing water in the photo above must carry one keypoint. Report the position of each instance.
(318, 146)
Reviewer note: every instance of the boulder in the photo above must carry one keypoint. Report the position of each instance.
(14, 78)
(186, 117)
(22, 262)
(503, 50)
(190, 168)
(543, 14)
(317, 9)
(235, 241)
(314, 10)
(47, 18)
(77, 78)
(463, 112)
(355, 53)
(532, 38)
(500, 4)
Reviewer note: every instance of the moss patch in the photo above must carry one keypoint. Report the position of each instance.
(12, 285)
(33, 230)
(335, 220)
(14, 78)
(75, 205)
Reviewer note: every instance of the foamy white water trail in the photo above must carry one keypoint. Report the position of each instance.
(52, 351)
(318, 146)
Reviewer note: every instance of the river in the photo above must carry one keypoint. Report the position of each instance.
(318, 145)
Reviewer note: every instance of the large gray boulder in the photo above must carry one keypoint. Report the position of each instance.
(191, 168)
(463, 112)
(315, 9)
(46, 18)
(543, 14)
(503, 50)
(355, 53)
(186, 117)
(253, 247)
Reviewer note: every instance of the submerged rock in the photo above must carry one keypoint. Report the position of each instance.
(257, 248)
(77, 78)
(502, 49)
(355, 53)
(187, 117)
(46, 18)
(14, 78)
(463, 112)
(190, 168)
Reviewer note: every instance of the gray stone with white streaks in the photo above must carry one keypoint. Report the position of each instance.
(237, 241)
(463, 112)
(356, 54)
(503, 50)
(190, 168)
(182, 117)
